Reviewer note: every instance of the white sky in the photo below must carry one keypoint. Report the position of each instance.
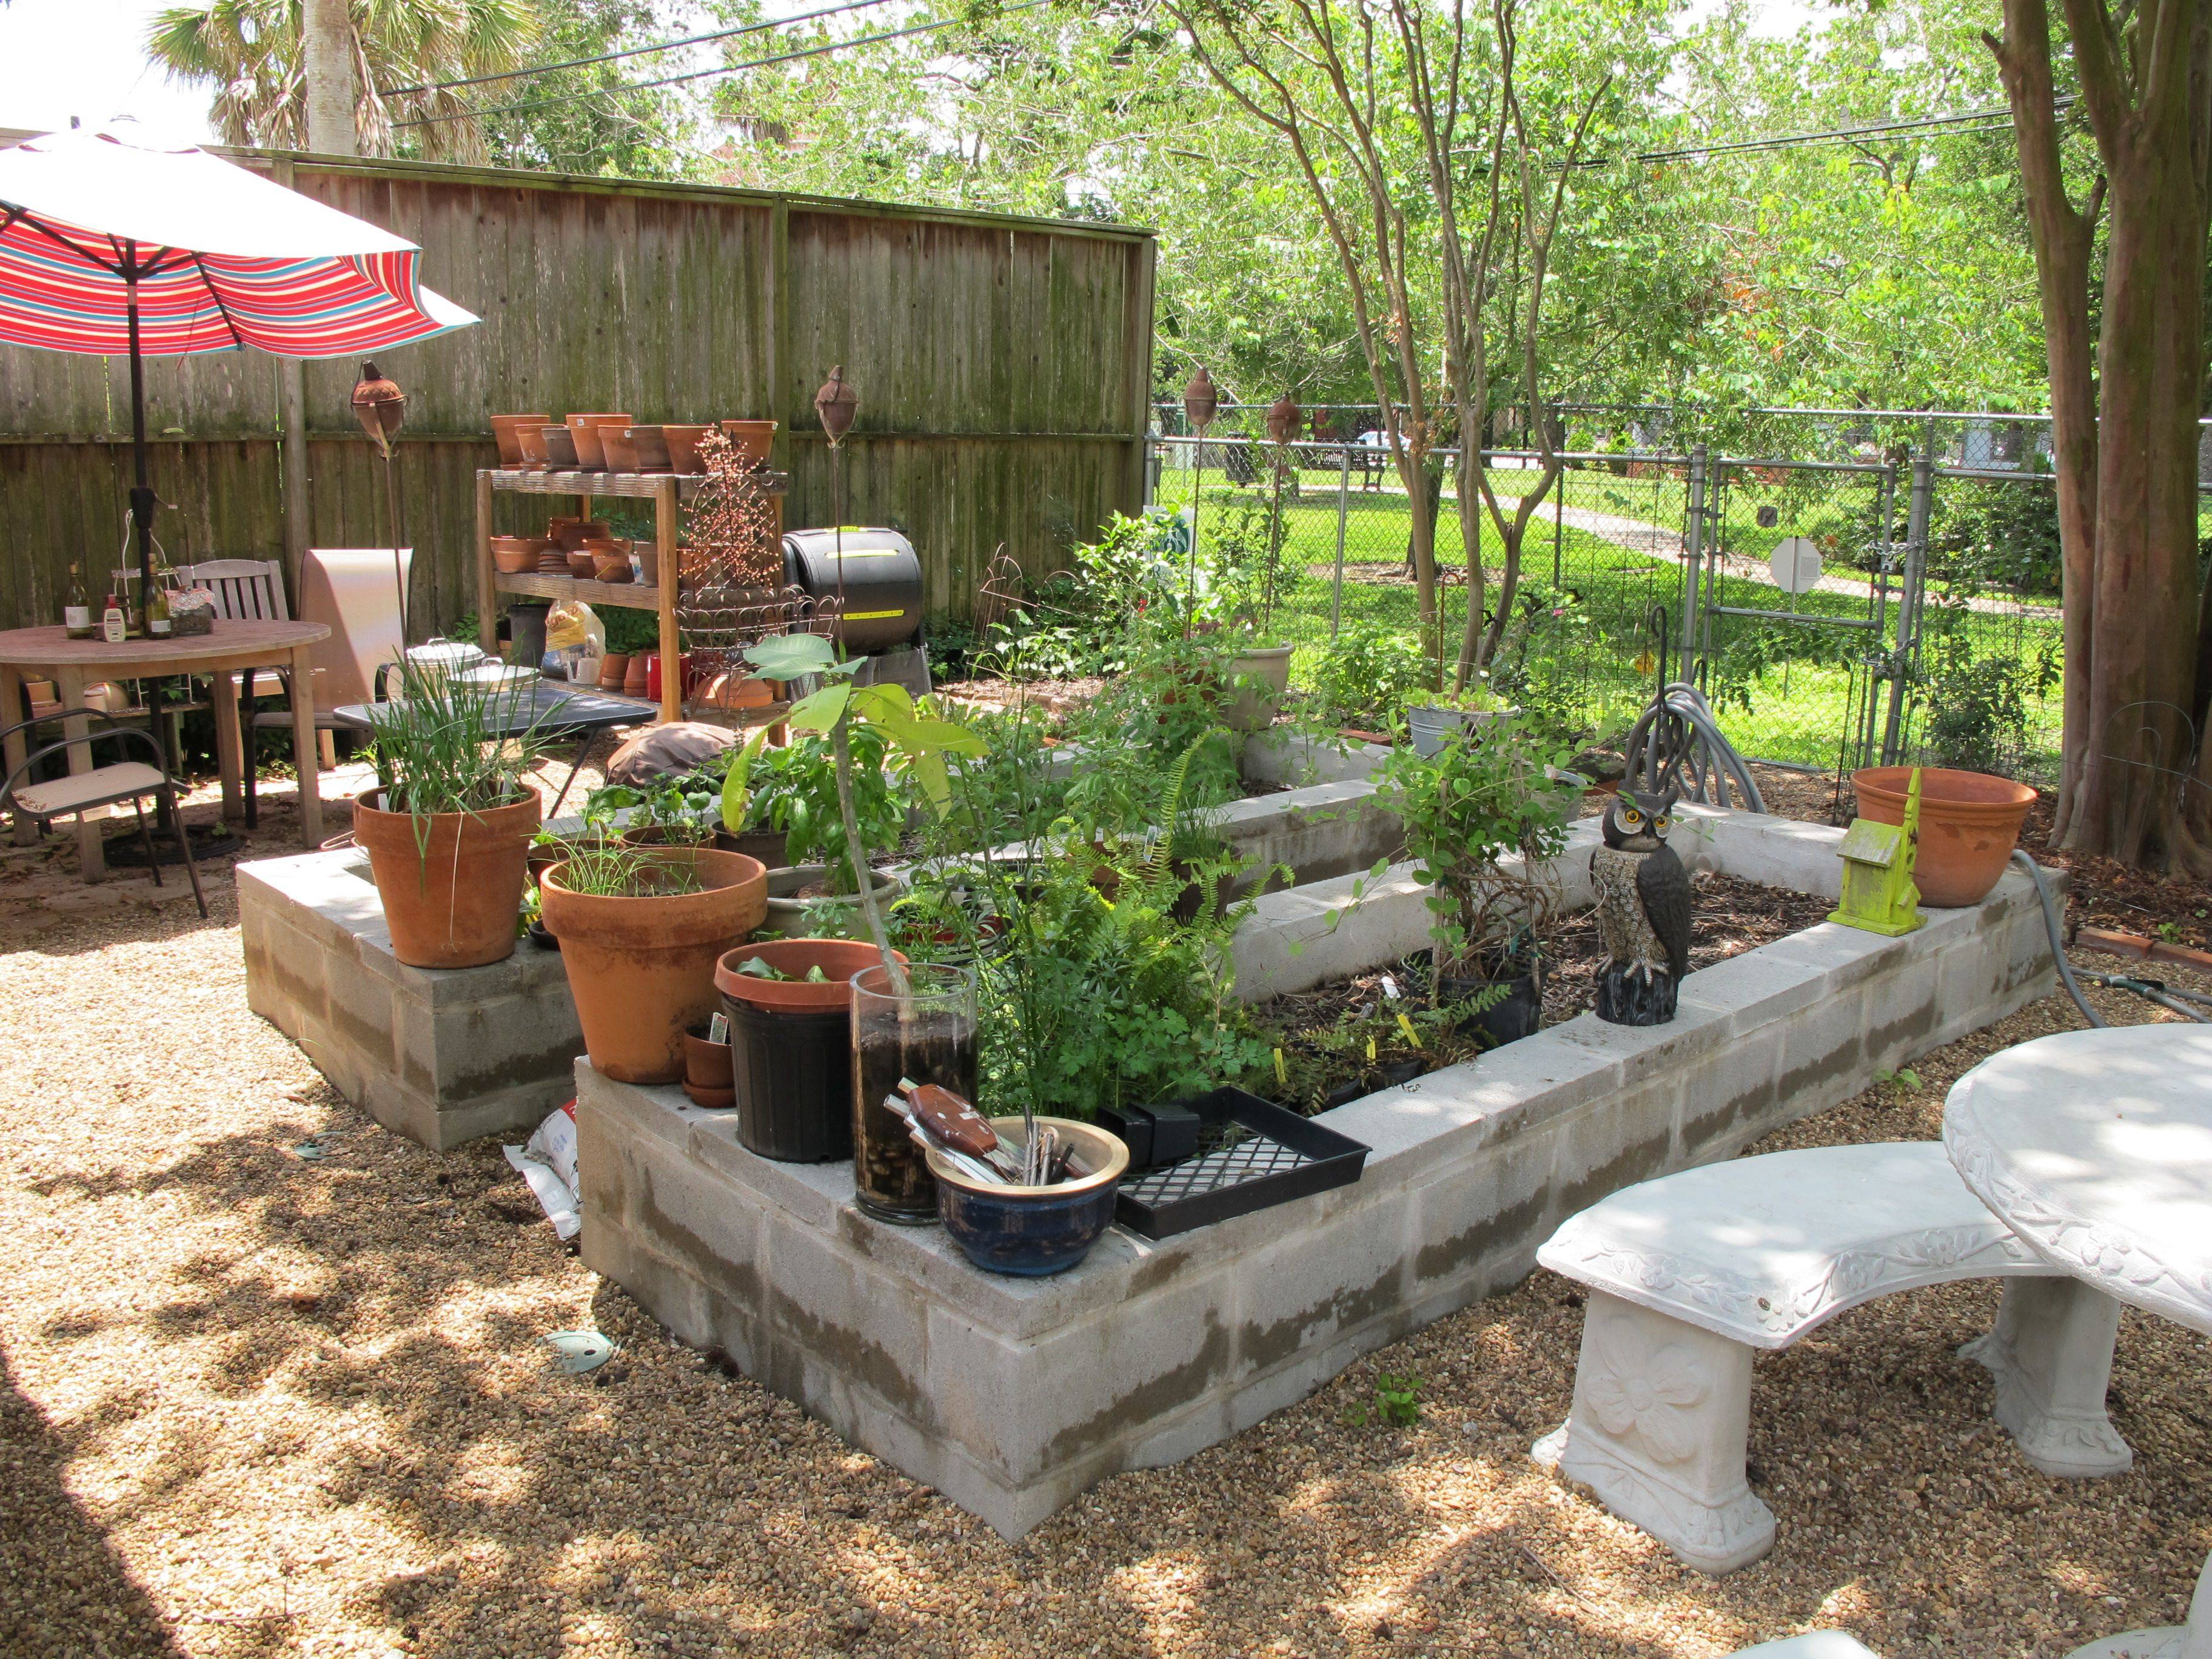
(86, 58)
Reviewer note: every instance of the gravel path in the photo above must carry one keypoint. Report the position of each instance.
(258, 1403)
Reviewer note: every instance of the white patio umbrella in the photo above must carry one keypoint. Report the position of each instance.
(111, 243)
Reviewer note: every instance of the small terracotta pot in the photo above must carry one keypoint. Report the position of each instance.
(514, 555)
(569, 534)
(451, 897)
(622, 455)
(503, 429)
(652, 447)
(683, 443)
(584, 430)
(613, 567)
(559, 447)
(532, 441)
(612, 667)
(552, 562)
(752, 439)
(635, 677)
(1969, 824)
(648, 562)
(643, 969)
(709, 1078)
(583, 566)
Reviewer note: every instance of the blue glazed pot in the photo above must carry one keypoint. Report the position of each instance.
(1031, 1231)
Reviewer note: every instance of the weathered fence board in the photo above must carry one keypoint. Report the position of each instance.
(1002, 365)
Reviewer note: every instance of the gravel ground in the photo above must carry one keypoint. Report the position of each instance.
(256, 1402)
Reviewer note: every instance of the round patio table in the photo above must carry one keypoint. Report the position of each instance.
(25, 652)
(2096, 1148)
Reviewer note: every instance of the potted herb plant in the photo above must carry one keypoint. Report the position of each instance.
(1432, 717)
(793, 791)
(1482, 819)
(640, 930)
(447, 829)
(789, 1003)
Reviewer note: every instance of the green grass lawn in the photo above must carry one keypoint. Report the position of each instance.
(1797, 695)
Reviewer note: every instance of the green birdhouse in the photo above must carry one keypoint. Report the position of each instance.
(1878, 892)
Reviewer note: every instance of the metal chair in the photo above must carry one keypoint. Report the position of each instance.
(78, 792)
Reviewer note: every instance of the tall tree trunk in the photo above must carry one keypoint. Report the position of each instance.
(326, 58)
(2142, 693)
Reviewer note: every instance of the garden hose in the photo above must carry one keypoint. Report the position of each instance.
(1676, 738)
(2149, 989)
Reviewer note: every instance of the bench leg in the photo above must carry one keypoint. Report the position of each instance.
(1660, 1415)
(2052, 1356)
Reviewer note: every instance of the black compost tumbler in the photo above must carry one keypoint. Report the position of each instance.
(881, 582)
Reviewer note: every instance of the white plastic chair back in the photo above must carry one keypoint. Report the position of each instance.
(355, 590)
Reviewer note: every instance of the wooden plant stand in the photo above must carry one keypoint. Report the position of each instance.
(665, 490)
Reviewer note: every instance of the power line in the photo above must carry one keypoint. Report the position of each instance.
(1834, 135)
(707, 73)
(635, 52)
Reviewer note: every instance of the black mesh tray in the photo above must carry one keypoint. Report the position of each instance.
(1251, 1154)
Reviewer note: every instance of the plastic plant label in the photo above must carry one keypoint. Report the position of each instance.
(1390, 988)
(577, 1352)
(1406, 1026)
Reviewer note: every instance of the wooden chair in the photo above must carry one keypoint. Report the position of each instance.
(78, 792)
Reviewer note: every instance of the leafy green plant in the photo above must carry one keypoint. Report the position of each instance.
(1976, 705)
(794, 789)
(440, 746)
(1366, 675)
(1485, 798)
(1396, 1403)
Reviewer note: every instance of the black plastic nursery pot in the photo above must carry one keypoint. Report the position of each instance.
(1508, 1020)
(794, 1075)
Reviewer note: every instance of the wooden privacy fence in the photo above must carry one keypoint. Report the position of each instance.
(1002, 365)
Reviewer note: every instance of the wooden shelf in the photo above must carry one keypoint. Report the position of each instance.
(641, 485)
(623, 596)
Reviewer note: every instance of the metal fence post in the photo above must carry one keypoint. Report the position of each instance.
(1693, 548)
(1343, 505)
(1907, 655)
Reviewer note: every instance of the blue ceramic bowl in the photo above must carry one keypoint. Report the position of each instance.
(1033, 1231)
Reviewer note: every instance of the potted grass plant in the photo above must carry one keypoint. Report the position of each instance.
(640, 929)
(1482, 819)
(447, 829)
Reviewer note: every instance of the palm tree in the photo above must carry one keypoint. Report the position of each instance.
(248, 51)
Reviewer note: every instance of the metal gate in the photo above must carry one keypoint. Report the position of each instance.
(1802, 565)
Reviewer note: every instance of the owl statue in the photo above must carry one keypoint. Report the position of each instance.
(1643, 910)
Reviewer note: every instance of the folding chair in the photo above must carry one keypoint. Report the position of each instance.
(354, 591)
(103, 786)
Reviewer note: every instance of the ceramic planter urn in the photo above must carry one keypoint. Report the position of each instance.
(642, 969)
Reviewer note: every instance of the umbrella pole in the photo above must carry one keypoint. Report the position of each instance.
(141, 489)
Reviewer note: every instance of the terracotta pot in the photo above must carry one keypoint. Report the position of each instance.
(532, 441)
(683, 443)
(552, 562)
(1969, 824)
(612, 667)
(622, 455)
(503, 429)
(752, 439)
(839, 959)
(583, 566)
(643, 968)
(648, 562)
(559, 447)
(707, 1065)
(569, 534)
(633, 676)
(652, 447)
(451, 897)
(585, 433)
(516, 555)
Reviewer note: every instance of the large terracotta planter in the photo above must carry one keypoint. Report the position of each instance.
(503, 428)
(1969, 824)
(586, 431)
(751, 439)
(642, 969)
(451, 896)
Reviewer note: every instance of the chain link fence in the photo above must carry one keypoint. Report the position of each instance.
(1888, 604)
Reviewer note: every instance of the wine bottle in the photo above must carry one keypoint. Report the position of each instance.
(76, 610)
(158, 616)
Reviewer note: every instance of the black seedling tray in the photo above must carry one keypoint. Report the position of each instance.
(1251, 1154)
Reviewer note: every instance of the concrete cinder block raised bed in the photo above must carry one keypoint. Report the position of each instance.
(445, 1055)
(1011, 1397)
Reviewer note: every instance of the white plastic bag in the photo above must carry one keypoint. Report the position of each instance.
(547, 1163)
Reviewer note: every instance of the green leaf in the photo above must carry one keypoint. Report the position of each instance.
(820, 711)
(789, 656)
(736, 796)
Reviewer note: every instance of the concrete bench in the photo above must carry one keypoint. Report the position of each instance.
(1690, 1274)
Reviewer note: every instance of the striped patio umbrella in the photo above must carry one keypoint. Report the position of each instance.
(110, 244)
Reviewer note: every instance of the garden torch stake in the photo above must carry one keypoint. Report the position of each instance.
(380, 406)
